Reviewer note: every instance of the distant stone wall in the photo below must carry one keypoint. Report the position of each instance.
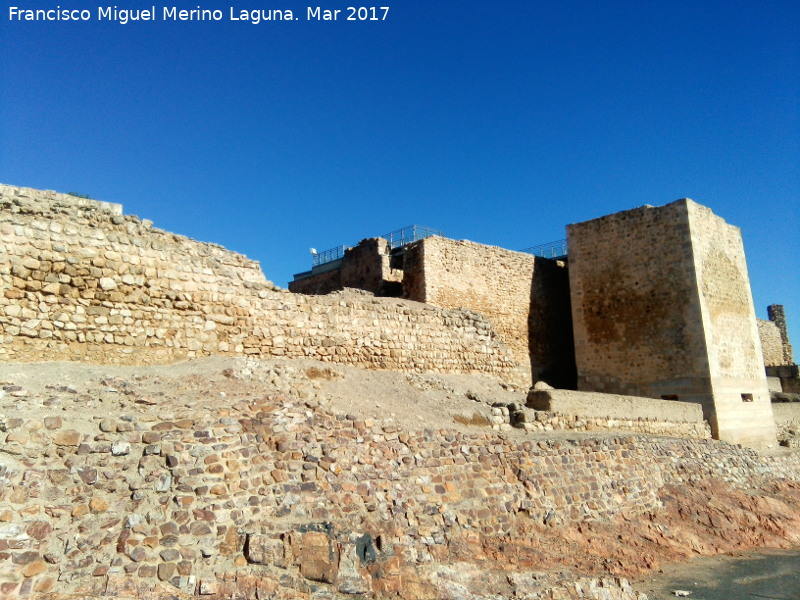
(771, 344)
(367, 266)
(322, 282)
(525, 297)
(789, 376)
(777, 315)
(81, 282)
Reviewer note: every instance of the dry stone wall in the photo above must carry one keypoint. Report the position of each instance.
(525, 297)
(278, 497)
(80, 281)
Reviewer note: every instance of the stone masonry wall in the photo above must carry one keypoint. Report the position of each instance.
(636, 312)
(278, 494)
(777, 315)
(525, 297)
(588, 404)
(366, 266)
(741, 402)
(662, 308)
(771, 343)
(80, 282)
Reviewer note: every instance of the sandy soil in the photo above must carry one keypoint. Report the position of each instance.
(412, 401)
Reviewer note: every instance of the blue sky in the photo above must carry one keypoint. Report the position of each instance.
(495, 122)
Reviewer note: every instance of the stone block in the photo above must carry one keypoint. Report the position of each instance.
(264, 550)
(318, 557)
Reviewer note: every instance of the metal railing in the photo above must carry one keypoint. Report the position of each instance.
(326, 256)
(557, 249)
(396, 239)
(409, 234)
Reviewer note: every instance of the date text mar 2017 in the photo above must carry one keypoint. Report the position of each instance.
(351, 13)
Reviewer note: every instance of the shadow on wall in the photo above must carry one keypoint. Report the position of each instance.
(550, 341)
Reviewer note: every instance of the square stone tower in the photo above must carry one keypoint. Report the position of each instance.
(661, 307)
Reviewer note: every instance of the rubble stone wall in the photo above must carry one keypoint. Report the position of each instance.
(366, 266)
(777, 315)
(525, 297)
(787, 421)
(771, 343)
(284, 495)
(81, 282)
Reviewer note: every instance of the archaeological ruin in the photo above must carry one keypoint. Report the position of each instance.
(660, 307)
(652, 302)
(563, 440)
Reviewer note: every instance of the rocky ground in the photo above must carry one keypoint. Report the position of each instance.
(409, 400)
(549, 559)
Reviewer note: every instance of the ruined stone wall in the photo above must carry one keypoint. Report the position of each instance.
(525, 297)
(80, 282)
(367, 266)
(322, 282)
(771, 344)
(787, 422)
(662, 308)
(282, 495)
(777, 315)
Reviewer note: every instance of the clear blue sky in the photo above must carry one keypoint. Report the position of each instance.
(498, 122)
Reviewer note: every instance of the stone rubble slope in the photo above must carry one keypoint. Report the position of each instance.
(238, 478)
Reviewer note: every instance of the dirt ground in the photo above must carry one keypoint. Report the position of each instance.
(412, 401)
(772, 574)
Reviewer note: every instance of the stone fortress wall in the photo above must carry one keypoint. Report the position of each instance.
(778, 354)
(525, 297)
(369, 266)
(274, 496)
(633, 324)
(740, 395)
(662, 308)
(81, 281)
